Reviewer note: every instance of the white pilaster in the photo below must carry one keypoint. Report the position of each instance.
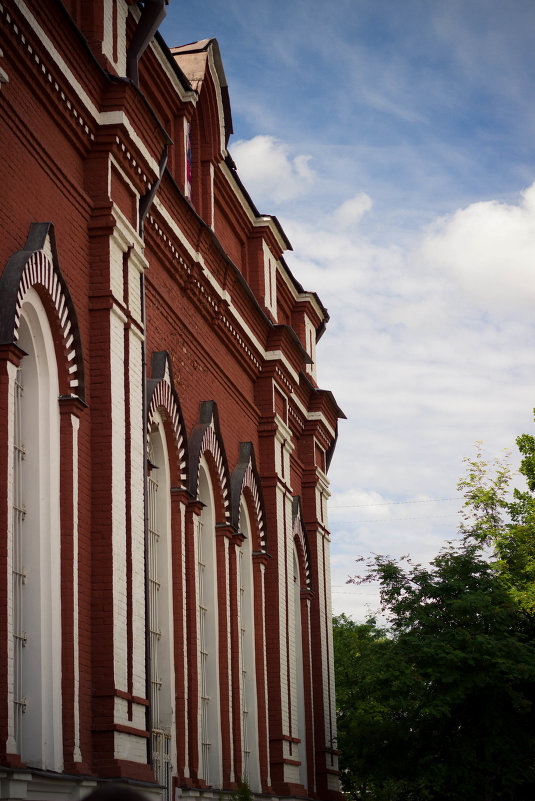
(264, 647)
(229, 653)
(11, 746)
(185, 638)
(137, 508)
(118, 435)
(77, 754)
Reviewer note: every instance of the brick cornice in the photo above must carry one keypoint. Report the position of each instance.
(12, 353)
(182, 495)
(71, 404)
(195, 506)
(225, 530)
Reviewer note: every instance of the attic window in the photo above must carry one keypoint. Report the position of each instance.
(310, 346)
(187, 151)
(270, 281)
(319, 457)
(281, 405)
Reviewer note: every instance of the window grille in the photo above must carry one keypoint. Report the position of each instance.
(19, 575)
(246, 751)
(161, 760)
(161, 740)
(203, 659)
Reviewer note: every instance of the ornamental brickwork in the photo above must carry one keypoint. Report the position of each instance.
(165, 614)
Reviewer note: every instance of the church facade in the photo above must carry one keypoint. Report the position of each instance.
(165, 615)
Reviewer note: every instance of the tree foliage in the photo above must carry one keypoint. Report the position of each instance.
(507, 526)
(440, 703)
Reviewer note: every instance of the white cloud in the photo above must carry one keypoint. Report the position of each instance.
(430, 348)
(351, 211)
(270, 172)
(489, 250)
(431, 344)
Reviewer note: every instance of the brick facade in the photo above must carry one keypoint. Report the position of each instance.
(172, 314)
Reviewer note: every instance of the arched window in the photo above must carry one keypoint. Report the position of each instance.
(248, 688)
(299, 670)
(42, 348)
(165, 572)
(160, 581)
(36, 587)
(208, 641)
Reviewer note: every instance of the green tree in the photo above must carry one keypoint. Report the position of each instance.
(508, 526)
(440, 705)
(372, 688)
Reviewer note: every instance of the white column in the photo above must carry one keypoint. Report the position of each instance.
(11, 746)
(77, 754)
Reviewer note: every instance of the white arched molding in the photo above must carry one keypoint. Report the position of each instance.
(37, 267)
(209, 483)
(298, 670)
(206, 439)
(160, 607)
(248, 518)
(301, 662)
(161, 395)
(167, 459)
(250, 771)
(35, 547)
(245, 478)
(207, 618)
(4, 78)
(301, 540)
(40, 340)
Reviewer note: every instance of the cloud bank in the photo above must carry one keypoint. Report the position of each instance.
(271, 170)
(430, 347)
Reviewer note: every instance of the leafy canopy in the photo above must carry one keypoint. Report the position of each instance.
(440, 705)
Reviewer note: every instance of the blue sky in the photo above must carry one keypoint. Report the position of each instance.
(396, 144)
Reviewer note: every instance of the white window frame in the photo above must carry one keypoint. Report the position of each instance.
(35, 548)
(299, 671)
(160, 608)
(270, 280)
(246, 628)
(210, 765)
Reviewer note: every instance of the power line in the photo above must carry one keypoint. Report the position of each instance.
(393, 503)
(357, 588)
(400, 519)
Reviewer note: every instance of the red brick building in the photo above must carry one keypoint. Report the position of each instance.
(164, 551)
